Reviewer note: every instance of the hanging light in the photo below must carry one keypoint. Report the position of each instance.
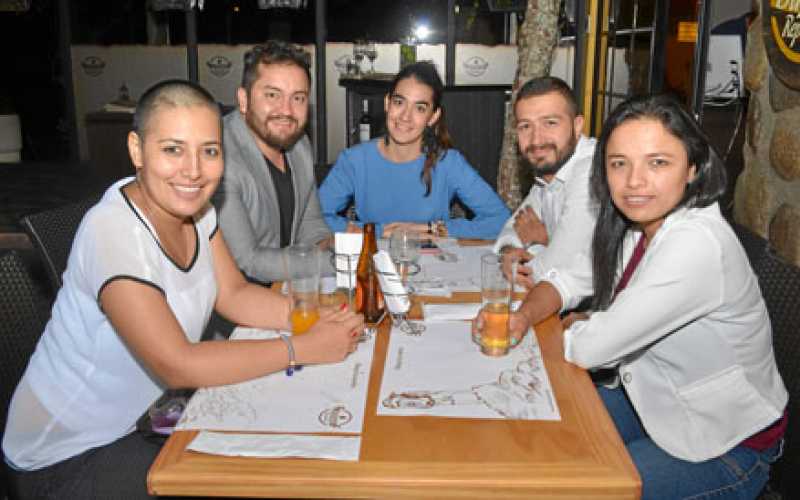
(422, 31)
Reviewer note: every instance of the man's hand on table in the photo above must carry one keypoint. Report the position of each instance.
(524, 273)
(326, 243)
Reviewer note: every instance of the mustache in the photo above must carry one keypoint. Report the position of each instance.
(282, 117)
(539, 147)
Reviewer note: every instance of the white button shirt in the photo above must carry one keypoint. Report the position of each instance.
(690, 334)
(565, 207)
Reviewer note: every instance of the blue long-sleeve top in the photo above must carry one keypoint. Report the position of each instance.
(386, 192)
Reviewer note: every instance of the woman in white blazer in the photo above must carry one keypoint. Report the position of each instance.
(678, 312)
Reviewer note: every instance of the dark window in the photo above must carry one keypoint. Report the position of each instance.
(385, 21)
(107, 23)
(243, 22)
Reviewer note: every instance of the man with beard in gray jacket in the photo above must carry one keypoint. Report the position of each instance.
(267, 199)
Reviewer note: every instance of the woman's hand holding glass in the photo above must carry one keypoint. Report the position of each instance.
(518, 326)
(331, 338)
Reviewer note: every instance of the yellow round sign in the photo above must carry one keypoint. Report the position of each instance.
(782, 38)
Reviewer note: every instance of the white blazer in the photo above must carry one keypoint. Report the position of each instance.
(690, 335)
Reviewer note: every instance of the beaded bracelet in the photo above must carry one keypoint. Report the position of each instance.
(293, 366)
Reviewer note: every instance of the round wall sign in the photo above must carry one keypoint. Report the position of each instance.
(781, 20)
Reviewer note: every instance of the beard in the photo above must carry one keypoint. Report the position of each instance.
(562, 156)
(278, 141)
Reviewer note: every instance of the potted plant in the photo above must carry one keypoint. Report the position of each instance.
(10, 131)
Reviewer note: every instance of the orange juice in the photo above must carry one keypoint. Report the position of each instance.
(303, 319)
(494, 334)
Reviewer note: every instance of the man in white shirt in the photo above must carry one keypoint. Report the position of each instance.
(557, 218)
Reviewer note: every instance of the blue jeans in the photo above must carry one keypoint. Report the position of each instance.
(741, 473)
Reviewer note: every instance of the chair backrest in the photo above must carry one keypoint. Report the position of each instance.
(780, 285)
(24, 311)
(51, 232)
(754, 245)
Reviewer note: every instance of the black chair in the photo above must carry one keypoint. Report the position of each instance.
(24, 311)
(51, 232)
(780, 285)
(754, 245)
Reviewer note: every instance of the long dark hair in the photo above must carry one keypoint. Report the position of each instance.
(436, 139)
(706, 187)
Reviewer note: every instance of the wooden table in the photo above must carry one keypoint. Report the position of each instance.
(581, 457)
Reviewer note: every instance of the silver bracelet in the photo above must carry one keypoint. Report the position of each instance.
(292, 363)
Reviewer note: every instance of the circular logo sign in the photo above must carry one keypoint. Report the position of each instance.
(782, 38)
(475, 66)
(93, 65)
(219, 66)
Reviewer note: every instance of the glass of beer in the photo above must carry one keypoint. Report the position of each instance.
(302, 262)
(496, 299)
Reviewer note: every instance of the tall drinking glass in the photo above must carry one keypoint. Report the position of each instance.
(496, 299)
(404, 251)
(303, 280)
(330, 294)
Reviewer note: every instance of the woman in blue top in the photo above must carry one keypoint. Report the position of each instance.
(407, 179)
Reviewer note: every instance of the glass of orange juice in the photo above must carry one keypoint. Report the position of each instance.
(496, 299)
(302, 262)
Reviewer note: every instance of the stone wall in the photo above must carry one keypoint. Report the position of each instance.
(767, 198)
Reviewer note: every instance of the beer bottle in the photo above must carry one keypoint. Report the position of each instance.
(365, 124)
(369, 299)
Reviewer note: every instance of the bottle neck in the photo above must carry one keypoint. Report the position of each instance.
(370, 245)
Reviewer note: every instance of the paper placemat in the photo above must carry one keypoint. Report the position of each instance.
(442, 373)
(318, 398)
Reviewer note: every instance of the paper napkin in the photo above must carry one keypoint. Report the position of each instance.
(277, 445)
(394, 292)
(347, 245)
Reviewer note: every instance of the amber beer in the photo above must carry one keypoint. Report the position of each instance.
(495, 295)
(369, 299)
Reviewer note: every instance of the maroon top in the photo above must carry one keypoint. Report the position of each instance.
(638, 252)
(767, 438)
